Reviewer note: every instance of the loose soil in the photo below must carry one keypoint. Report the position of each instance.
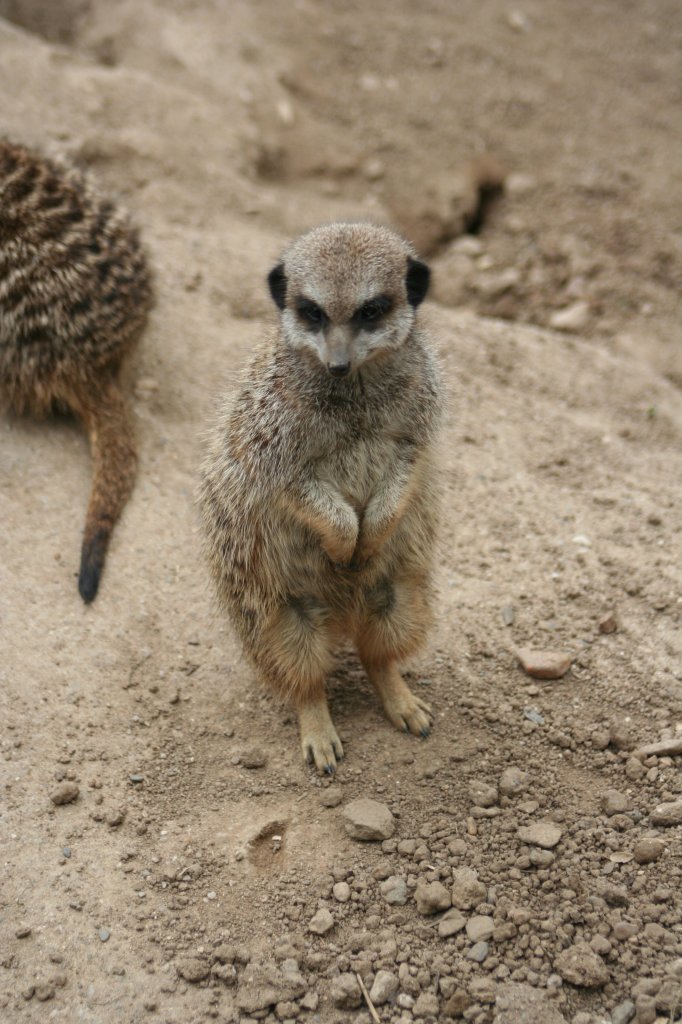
(179, 884)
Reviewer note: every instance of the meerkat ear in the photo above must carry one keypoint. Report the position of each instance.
(277, 283)
(417, 281)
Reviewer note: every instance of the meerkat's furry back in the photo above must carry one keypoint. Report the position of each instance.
(75, 292)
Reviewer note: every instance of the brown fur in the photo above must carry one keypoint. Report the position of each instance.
(75, 292)
(318, 493)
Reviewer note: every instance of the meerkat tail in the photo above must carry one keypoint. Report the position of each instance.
(109, 425)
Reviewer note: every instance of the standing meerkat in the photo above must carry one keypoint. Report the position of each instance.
(75, 292)
(319, 492)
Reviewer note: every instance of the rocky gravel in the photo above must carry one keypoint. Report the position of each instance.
(166, 855)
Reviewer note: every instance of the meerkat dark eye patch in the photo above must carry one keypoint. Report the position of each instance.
(310, 313)
(416, 281)
(277, 283)
(371, 312)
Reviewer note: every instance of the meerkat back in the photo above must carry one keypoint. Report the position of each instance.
(75, 292)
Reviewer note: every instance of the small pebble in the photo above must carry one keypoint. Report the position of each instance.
(623, 1013)
(608, 623)
(542, 833)
(480, 927)
(341, 892)
(581, 966)
(478, 952)
(64, 793)
(646, 851)
(573, 318)
(321, 922)
(431, 898)
(667, 814)
(254, 758)
(384, 988)
(513, 781)
(104, 934)
(614, 802)
(544, 664)
(331, 797)
(193, 970)
(345, 992)
(451, 923)
(394, 891)
(368, 820)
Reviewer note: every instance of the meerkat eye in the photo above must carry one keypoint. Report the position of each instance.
(372, 311)
(311, 313)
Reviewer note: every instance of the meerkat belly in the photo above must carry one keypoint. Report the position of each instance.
(356, 470)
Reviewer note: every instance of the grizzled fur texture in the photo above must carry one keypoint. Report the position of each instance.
(75, 292)
(319, 492)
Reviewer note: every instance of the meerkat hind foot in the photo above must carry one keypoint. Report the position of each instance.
(320, 742)
(407, 712)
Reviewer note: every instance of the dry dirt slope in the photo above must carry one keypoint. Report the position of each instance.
(157, 894)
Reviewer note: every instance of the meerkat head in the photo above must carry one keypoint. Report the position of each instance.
(348, 294)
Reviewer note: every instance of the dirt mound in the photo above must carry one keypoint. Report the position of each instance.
(534, 872)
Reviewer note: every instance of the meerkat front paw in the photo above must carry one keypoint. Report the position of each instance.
(320, 742)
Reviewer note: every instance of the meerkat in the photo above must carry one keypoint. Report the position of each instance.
(318, 492)
(75, 291)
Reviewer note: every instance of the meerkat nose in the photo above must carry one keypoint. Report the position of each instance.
(338, 369)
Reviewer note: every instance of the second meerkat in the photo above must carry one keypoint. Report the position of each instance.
(319, 492)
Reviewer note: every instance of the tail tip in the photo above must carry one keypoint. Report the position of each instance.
(88, 582)
(93, 554)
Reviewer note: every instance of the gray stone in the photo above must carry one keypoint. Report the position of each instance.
(254, 758)
(427, 1005)
(581, 966)
(667, 814)
(669, 997)
(64, 793)
(451, 923)
(542, 833)
(522, 1004)
(321, 922)
(394, 891)
(513, 781)
(614, 802)
(263, 985)
(384, 988)
(193, 970)
(623, 1013)
(368, 820)
(647, 850)
(663, 748)
(345, 992)
(480, 928)
(466, 891)
(432, 897)
(341, 892)
(483, 990)
(482, 793)
(478, 952)
(573, 318)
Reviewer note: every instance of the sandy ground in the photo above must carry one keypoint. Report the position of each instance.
(180, 885)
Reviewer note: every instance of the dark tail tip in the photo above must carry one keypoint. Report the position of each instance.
(93, 554)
